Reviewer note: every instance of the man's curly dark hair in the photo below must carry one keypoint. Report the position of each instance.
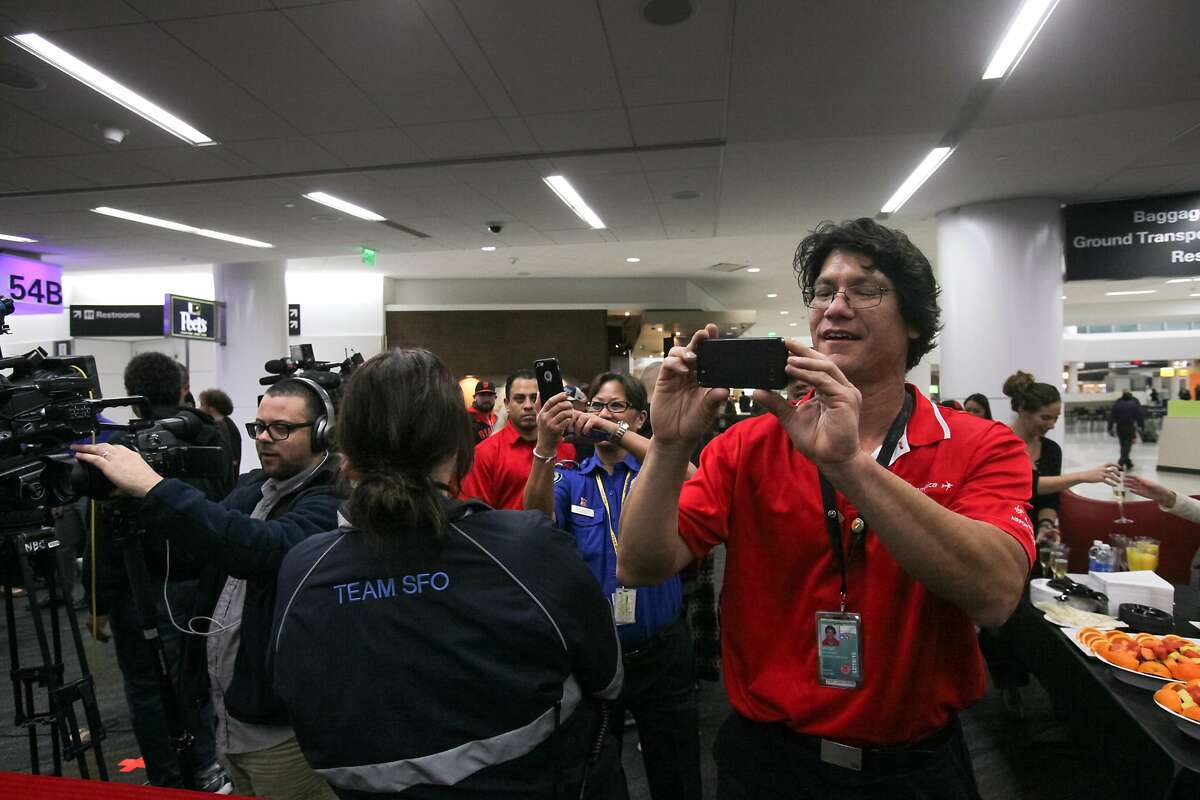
(893, 254)
(156, 376)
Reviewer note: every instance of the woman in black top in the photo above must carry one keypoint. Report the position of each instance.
(1038, 406)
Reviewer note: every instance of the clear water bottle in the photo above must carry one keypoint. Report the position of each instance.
(1101, 557)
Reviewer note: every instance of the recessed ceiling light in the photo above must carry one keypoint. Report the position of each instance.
(784, 313)
(937, 156)
(772, 295)
(659, 328)
(9, 238)
(1136, 291)
(633, 259)
(1020, 35)
(793, 324)
(98, 81)
(754, 269)
(178, 226)
(344, 206)
(490, 248)
(627, 313)
(566, 192)
(1064, 297)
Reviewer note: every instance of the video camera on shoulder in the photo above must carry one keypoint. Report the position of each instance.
(302, 363)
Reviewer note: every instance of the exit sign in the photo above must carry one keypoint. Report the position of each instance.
(368, 256)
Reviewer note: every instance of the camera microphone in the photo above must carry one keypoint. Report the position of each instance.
(280, 366)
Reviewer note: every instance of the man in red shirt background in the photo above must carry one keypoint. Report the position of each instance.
(482, 411)
(503, 460)
(928, 535)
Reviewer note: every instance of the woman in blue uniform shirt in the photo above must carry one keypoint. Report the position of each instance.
(657, 643)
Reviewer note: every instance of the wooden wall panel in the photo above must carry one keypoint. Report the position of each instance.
(488, 343)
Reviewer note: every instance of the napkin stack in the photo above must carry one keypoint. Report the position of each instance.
(1143, 586)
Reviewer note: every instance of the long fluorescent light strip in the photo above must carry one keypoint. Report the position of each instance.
(345, 207)
(1020, 35)
(927, 167)
(97, 80)
(1183, 280)
(178, 226)
(1122, 294)
(566, 192)
(6, 237)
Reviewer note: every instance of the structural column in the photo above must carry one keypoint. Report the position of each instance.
(1000, 265)
(255, 297)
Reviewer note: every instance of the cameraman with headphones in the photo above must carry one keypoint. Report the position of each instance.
(244, 540)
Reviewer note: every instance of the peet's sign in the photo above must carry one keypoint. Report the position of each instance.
(1151, 237)
(192, 318)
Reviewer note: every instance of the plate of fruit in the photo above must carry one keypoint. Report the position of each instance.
(1144, 660)
(1182, 701)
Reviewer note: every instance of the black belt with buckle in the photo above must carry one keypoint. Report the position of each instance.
(883, 760)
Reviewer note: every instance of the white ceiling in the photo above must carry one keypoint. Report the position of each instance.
(823, 109)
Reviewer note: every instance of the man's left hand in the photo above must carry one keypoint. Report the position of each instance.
(125, 468)
(825, 428)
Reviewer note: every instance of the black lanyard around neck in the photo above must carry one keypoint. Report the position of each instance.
(829, 494)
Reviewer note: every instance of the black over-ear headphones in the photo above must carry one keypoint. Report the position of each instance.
(323, 425)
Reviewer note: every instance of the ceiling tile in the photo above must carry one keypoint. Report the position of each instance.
(282, 68)
(461, 139)
(285, 155)
(34, 173)
(684, 122)
(382, 146)
(106, 168)
(416, 84)
(53, 15)
(173, 9)
(577, 130)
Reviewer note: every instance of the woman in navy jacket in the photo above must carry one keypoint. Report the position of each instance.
(431, 648)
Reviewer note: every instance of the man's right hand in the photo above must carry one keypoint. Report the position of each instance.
(682, 411)
(552, 421)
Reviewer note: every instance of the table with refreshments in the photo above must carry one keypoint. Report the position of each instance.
(1108, 699)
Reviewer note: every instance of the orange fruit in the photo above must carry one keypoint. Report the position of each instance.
(1100, 648)
(1192, 713)
(1124, 658)
(1155, 668)
(1184, 670)
(1169, 698)
(1085, 631)
(1118, 635)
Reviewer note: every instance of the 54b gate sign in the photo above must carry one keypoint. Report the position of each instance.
(34, 286)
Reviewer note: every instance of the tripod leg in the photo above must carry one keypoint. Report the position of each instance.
(44, 648)
(59, 733)
(87, 696)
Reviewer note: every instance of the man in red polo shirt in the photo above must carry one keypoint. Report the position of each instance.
(503, 460)
(482, 410)
(928, 534)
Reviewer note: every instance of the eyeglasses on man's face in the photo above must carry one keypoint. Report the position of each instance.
(859, 296)
(614, 406)
(277, 431)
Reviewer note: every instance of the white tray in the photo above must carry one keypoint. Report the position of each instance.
(1188, 726)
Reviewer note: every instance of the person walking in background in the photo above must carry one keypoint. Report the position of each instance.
(1125, 420)
(977, 405)
(217, 405)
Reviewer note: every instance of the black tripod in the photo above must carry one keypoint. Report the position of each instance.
(25, 536)
(127, 535)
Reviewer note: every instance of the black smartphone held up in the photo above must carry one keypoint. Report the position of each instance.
(742, 363)
(549, 378)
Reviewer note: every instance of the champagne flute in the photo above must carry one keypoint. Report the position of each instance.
(1044, 558)
(1119, 492)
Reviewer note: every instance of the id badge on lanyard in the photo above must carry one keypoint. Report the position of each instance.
(624, 601)
(840, 633)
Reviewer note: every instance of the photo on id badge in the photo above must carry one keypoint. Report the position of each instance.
(838, 657)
